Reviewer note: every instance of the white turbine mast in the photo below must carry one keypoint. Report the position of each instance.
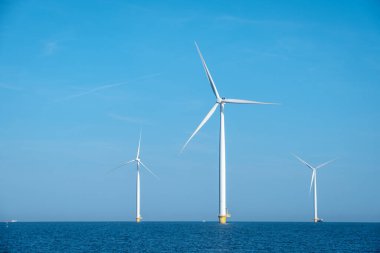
(313, 184)
(220, 101)
(138, 163)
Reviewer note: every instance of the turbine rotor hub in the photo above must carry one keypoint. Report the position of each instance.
(220, 100)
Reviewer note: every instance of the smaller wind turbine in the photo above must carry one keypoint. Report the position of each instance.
(138, 163)
(314, 180)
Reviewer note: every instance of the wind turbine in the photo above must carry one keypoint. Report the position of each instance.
(220, 101)
(138, 163)
(313, 184)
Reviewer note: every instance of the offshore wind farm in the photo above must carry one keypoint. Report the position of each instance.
(79, 81)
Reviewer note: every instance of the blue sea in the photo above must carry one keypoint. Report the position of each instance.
(189, 237)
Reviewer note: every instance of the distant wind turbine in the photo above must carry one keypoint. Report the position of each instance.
(138, 163)
(314, 180)
(220, 101)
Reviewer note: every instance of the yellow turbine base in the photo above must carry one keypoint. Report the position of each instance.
(222, 219)
(138, 219)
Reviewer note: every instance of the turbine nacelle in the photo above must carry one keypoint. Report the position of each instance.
(221, 100)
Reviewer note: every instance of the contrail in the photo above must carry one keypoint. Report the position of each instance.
(104, 87)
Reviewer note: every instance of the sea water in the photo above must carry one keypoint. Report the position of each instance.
(189, 237)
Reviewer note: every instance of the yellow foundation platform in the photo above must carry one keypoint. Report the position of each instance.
(138, 219)
(222, 219)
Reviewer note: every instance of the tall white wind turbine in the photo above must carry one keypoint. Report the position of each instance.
(313, 184)
(220, 101)
(138, 163)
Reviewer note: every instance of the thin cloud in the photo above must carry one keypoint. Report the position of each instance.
(50, 47)
(129, 119)
(248, 21)
(10, 87)
(104, 87)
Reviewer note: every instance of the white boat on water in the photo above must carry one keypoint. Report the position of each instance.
(9, 221)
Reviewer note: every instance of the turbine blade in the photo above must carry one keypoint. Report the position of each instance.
(209, 114)
(138, 148)
(312, 180)
(324, 164)
(243, 101)
(213, 87)
(121, 165)
(151, 172)
(302, 161)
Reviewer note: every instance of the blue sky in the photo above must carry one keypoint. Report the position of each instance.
(78, 80)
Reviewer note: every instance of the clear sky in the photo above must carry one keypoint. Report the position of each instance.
(78, 79)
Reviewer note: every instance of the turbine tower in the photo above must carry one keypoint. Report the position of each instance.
(220, 101)
(313, 184)
(138, 163)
